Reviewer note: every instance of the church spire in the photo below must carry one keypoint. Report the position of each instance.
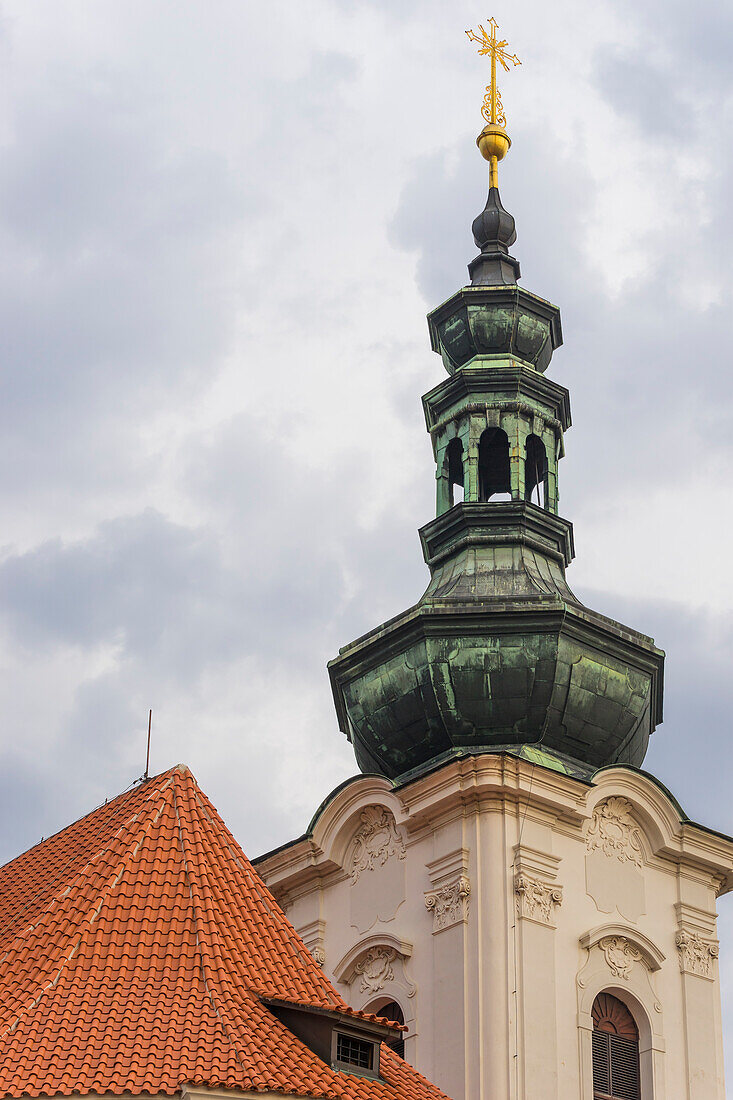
(498, 654)
(493, 229)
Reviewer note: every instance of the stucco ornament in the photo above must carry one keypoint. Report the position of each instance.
(535, 899)
(376, 969)
(620, 955)
(696, 953)
(614, 832)
(375, 841)
(319, 955)
(449, 903)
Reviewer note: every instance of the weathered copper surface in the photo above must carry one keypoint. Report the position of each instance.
(498, 651)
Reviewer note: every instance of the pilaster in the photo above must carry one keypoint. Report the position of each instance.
(537, 898)
(448, 903)
(697, 950)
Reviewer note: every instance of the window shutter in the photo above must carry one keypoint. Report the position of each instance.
(624, 1068)
(615, 1050)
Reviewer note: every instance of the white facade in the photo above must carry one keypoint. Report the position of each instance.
(494, 898)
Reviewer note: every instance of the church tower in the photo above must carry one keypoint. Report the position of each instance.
(503, 877)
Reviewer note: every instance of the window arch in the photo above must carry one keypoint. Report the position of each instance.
(390, 1010)
(454, 462)
(615, 1050)
(493, 464)
(535, 471)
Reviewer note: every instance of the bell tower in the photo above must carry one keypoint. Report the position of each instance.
(502, 877)
(498, 651)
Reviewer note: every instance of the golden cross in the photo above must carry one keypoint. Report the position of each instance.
(492, 109)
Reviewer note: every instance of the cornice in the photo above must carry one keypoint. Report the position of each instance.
(499, 780)
(513, 523)
(487, 377)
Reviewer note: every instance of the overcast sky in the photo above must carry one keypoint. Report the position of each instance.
(221, 227)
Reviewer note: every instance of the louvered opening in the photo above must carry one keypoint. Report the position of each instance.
(601, 1064)
(615, 1056)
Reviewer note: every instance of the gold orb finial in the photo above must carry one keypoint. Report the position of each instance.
(493, 141)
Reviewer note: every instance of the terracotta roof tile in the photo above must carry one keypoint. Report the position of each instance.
(135, 946)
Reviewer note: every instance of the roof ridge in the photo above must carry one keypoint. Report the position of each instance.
(193, 889)
(105, 846)
(130, 789)
(259, 893)
(84, 924)
(221, 968)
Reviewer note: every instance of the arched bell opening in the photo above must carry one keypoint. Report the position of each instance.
(615, 1050)
(390, 1010)
(493, 466)
(535, 471)
(454, 462)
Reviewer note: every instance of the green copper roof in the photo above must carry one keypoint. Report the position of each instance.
(498, 654)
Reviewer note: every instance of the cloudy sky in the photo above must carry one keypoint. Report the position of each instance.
(221, 227)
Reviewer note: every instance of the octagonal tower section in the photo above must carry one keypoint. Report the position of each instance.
(498, 653)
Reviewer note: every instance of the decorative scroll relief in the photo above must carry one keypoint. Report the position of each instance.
(318, 954)
(375, 841)
(449, 903)
(376, 969)
(696, 953)
(535, 899)
(614, 832)
(620, 955)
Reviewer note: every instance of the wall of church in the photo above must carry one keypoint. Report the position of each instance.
(494, 899)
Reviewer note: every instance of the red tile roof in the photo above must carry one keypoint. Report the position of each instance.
(135, 946)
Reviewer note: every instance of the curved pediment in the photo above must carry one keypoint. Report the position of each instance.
(347, 968)
(618, 939)
(655, 812)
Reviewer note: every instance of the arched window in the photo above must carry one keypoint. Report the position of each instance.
(615, 1050)
(535, 471)
(392, 1011)
(455, 470)
(493, 465)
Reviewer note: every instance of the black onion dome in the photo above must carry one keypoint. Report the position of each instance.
(494, 225)
(494, 232)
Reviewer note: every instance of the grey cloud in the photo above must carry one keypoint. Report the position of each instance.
(637, 85)
(162, 592)
(118, 255)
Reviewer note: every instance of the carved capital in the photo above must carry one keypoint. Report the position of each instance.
(614, 832)
(696, 953)
(375, 841)
(620, 955)
(449, 903)
(536, 900)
